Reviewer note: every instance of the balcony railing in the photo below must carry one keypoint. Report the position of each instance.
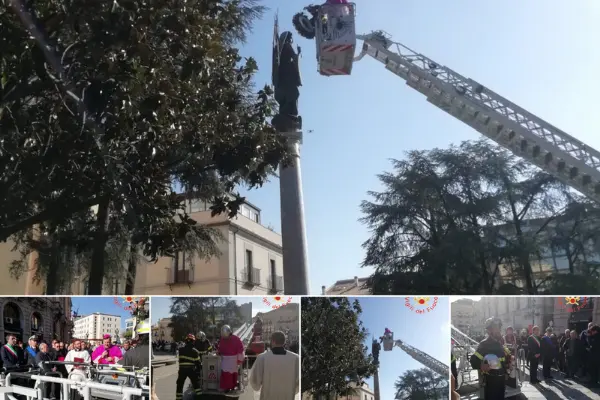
(275, 283)
(251, 276)
(180, 276)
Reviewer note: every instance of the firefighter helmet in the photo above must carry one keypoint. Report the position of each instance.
(491, 322)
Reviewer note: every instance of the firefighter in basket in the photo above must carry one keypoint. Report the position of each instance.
(493, 360)
(306, 27)
(202, 344)
(189, 367)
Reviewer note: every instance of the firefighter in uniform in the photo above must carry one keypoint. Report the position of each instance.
(492, 360)
(189, 367)
(202, 345)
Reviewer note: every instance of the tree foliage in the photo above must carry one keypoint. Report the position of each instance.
(206, 314)
(334, 356)
(421, 384)
(107, 104)
(476, 219)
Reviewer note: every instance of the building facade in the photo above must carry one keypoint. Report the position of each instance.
(363, 392)
(285, 318)
(46, 318)
(162, 331)
(251, 261)
(347, 287)
(246, 312)
(525, 312)
(94, 326)
(463, 314)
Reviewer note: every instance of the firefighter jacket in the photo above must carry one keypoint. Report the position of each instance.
(189, 357)
(491, 346)
(203, 347)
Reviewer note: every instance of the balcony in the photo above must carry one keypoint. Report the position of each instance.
(275, 284)
(251, 276)
(180, 276)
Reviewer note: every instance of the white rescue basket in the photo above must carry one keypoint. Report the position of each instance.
(335, 35)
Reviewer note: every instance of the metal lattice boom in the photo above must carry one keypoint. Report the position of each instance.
(509, 125)
(436, 366)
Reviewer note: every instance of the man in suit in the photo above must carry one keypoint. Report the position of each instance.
(11, 354)
(534, 347)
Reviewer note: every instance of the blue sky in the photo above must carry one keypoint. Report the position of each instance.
(161, 305)
(427, 332)
(537, 53)
(106, 305)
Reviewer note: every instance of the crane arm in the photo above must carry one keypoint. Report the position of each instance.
(509, 125)
(436, 366)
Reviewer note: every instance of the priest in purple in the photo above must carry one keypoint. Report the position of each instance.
(107, 353)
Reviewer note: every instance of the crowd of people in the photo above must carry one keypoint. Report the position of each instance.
(576, 355)
(41, 355)
(15, 353)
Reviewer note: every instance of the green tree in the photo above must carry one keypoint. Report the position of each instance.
(421, 384)
(207, 314)
(333, 351)
(107, 105)
(458, 220)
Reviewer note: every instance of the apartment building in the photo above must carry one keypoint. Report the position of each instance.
(363, 392)
(462, 315)
(285, 318)
(246, 312)
(96, 325)
(162, 331)
(552, 261)
(522, 312)
(346, 287)
(251, 261)
(46, 318)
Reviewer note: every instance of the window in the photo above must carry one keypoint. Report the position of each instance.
(245, 211)
(181, 265)
(249, 259)
(273, 274)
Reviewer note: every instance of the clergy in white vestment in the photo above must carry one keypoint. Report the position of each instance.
(276, 372)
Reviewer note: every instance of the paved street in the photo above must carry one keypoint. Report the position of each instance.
(165, 378)
(557, 389)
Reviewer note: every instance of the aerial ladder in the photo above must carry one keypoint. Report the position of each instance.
(430, 362)
(525, 135)
(463, 347)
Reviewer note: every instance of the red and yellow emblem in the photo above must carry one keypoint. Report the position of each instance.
(422, 301)
(572, 300)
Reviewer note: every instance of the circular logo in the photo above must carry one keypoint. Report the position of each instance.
(276, 301)
(572, 303)
(421, 305)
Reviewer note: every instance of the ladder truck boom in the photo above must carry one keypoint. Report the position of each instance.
(527, 136)
(436, 366)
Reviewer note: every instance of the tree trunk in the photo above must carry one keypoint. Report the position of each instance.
(96, 280)
(52, 275)
(131, 270)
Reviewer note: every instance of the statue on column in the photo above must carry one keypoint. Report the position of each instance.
(286, 80)
(375, 348)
